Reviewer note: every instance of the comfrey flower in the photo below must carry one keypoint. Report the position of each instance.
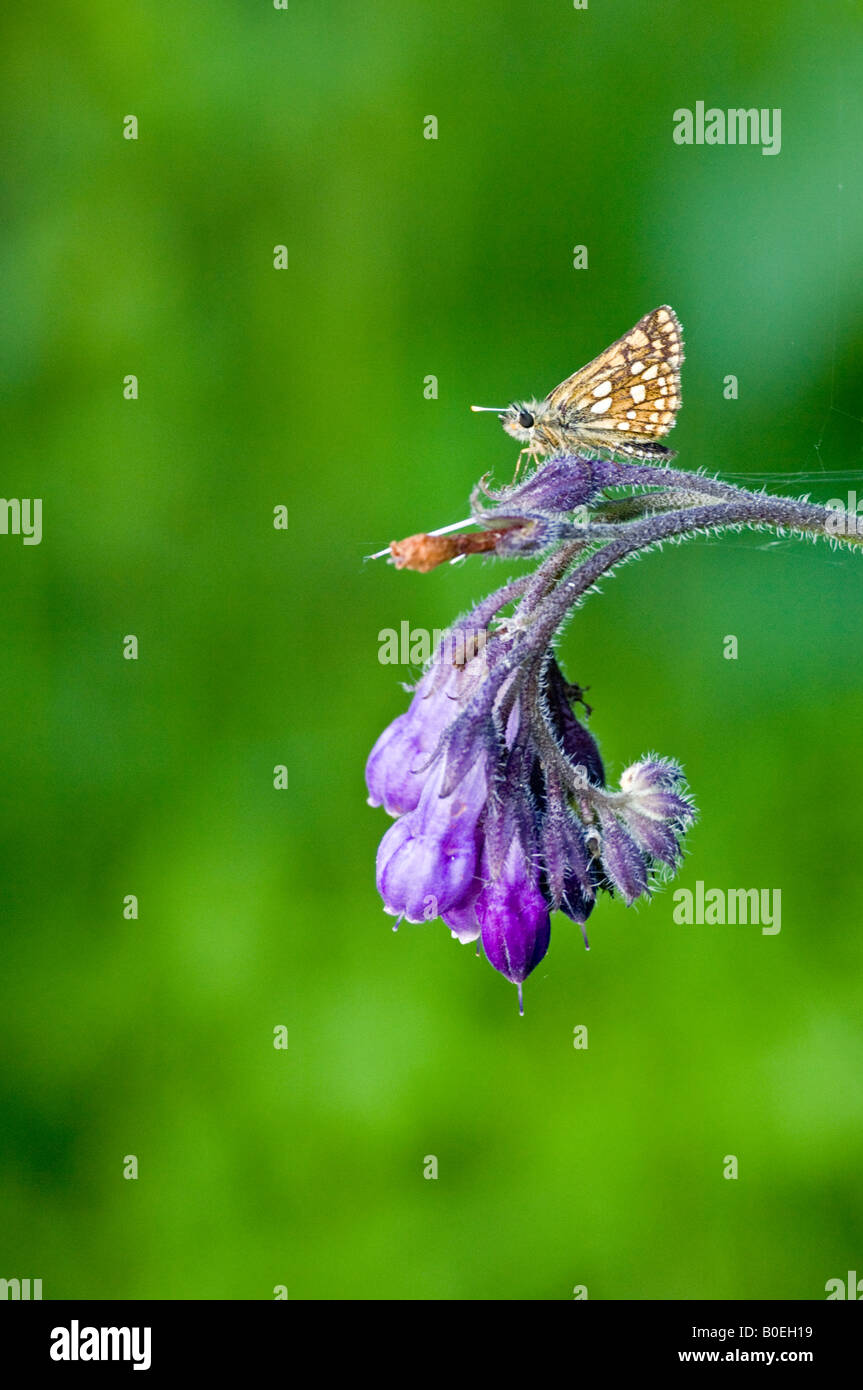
(503, 812)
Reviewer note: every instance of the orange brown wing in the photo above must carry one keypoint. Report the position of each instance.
(632, 389)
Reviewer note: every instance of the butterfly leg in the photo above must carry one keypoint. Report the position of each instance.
(531, 453)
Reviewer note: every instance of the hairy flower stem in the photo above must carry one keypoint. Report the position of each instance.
(551, 569)
(752, 509)
(746, 509)
(614, 474)
(483, 613)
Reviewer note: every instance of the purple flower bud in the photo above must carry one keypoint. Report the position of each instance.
(427, 861)
(558, 486)
(570, 871)
(577, 902)
(468, 742)
(577, 742)
(402, 746)
(514, 915)
(656, 837)
(658, 790)
(397, 766)
(462, 919)
(624, 863)
(477, 736)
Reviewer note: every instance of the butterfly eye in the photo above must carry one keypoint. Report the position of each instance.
(525, 419)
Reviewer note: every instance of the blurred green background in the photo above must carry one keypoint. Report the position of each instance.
(411, 257)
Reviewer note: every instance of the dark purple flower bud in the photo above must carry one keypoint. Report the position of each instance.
(571, 876)
(570, 873)
(513, 914)
(427, 861)
(622, 860)
(558, 486)
(577, 742)
(577, 903)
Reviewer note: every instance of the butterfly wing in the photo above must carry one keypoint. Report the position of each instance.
(631, 391)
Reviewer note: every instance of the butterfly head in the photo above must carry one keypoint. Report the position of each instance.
(519, 420)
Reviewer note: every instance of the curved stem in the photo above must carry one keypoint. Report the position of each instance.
(614, 474)
(485, 610)
(752, 509)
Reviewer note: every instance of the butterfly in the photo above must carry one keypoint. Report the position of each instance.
(624, 401)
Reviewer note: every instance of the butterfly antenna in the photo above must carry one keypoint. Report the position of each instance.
(492, 409)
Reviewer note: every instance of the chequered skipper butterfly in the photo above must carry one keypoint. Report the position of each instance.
(622, 402)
